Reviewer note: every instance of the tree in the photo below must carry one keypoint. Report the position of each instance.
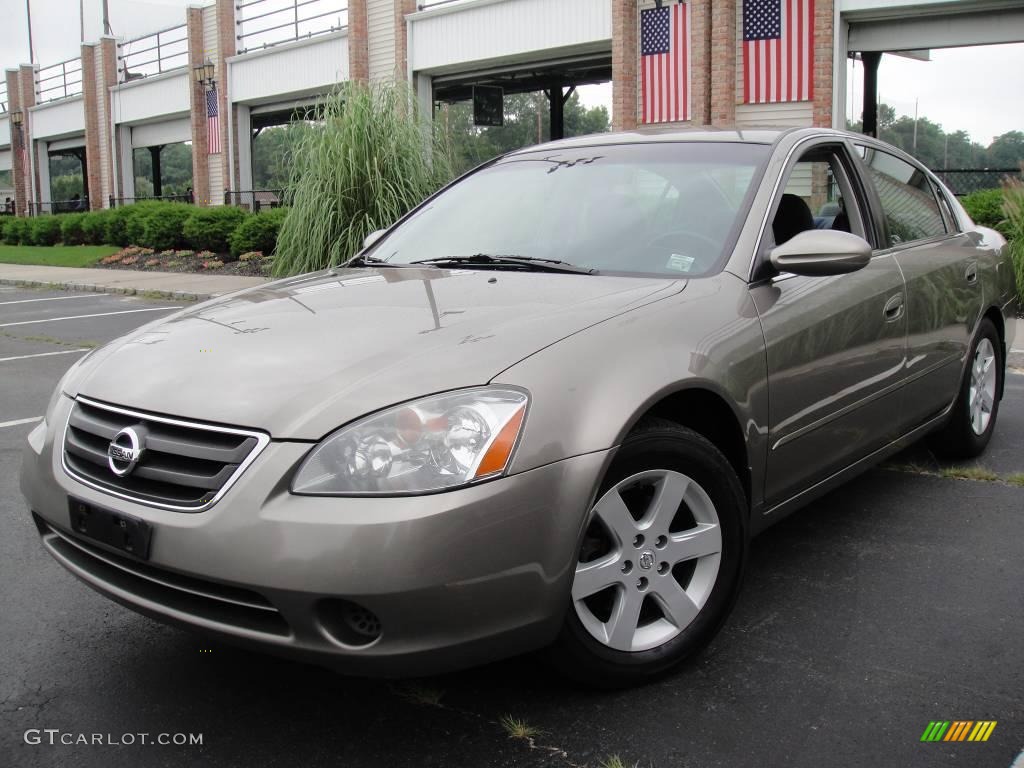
(527, 121)
(1006, 151)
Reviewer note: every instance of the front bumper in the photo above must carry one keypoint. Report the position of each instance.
(455, 579)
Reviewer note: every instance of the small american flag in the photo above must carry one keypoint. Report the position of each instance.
(212, 123)
(778, 50)
(665, 63)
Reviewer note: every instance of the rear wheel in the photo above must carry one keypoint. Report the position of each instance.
(661, 559)
(973, 419)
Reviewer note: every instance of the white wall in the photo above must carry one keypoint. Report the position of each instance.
(58, 118)
(495, 30)
(153, 97)
(5, 131)
(165, 132)
(380, 22)
(307, 67)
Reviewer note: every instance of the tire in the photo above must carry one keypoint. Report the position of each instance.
(960, 437)
(682, 602)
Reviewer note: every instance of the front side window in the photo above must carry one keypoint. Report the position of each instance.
(661, 208)
(908, 201)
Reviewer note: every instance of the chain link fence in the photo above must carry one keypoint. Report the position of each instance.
(963, 181)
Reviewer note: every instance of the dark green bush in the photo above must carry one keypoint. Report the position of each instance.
(15, 230)
(162, 228)
(258, 233)
(986, 208)
(94, 227)
(116, 232)
(209, 229)
(44, 230)
(71, 229)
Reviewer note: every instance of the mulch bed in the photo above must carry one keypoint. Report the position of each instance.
(253, 264)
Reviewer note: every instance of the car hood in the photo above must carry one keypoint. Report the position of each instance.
(300, 357)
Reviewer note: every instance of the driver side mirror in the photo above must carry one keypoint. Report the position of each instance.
(821, 252)
(373, 237)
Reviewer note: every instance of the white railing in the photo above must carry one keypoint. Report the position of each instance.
(263, 23)
(3, 96)
(152, 54)
(58, 81)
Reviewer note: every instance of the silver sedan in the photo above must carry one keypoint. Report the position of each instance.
(545, 410)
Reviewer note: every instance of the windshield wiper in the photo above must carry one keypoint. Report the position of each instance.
(511, 260)
(372, 261)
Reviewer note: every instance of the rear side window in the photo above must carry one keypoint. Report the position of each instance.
(908, 200)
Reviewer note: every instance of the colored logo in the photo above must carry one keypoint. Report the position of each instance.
(958, 730)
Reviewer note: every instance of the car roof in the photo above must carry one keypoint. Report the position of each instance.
(659, 134)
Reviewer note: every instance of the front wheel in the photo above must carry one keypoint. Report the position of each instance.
(661, 560)
(973, 419)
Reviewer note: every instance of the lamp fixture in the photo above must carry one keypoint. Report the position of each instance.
(17, 118)
(204, 73)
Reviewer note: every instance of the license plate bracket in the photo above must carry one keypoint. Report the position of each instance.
(124, 532)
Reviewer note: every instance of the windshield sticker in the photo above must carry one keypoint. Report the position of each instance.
(679, 263)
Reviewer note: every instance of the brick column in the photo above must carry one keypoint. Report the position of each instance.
(21, 138)
(93, 180)
(700, 62)
(722, 62)
(358, 42)
(402, 9)
(625, 60)
(197, 102)
(824, 22)
(107, 73)
(27, 86)
(226, 48)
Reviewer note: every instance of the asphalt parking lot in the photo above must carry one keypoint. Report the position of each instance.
(894, 601)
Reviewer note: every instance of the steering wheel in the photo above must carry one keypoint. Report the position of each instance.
(669, 242)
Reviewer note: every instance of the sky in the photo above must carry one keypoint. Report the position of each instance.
(971, 89)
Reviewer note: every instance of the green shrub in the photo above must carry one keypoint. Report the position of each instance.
(94, 227)
(44, 230)
(15, 230)
(1013, 209)
(116, 232)
(258, 233)
(162, 228)
(71, 232)
(986, 208)
(370, 160)
(209, 229)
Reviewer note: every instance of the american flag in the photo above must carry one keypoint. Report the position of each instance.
(778, 50)
(212, 123)
(665, 63)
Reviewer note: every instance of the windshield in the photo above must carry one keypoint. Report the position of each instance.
(660, 208)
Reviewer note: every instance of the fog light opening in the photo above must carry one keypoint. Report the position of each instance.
(348, 623)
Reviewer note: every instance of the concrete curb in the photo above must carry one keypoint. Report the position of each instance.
(123, 290)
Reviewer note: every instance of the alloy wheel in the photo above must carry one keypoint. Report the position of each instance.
(649, 560)
(981, 395)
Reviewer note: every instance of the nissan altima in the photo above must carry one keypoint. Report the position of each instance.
(547, 409)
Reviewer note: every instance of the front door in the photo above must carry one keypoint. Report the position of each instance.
(835, 345)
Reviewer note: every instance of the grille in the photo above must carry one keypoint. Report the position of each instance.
(162, 590)
(185, 466)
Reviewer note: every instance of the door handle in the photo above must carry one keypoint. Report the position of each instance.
(971, 273)
(894, 308)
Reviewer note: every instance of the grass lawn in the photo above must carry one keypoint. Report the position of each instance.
(55, 256)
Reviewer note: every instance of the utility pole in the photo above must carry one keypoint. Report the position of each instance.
(106, 18)
(31, 49)
(81, 20)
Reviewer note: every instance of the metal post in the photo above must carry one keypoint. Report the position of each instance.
(871, 60)
(557, 104)
(31, 49)
(158, 182)
(295, 8)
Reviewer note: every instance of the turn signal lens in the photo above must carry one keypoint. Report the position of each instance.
(497, 456)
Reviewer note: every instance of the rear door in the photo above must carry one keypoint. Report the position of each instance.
(835, 345)
(940, 266)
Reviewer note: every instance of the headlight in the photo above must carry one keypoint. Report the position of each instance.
(428, 445)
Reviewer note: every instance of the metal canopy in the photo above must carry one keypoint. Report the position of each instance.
(586, 70)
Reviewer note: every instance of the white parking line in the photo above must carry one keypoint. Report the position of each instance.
(45, 354)
(16, 422)
(54, 298)
(82, 317)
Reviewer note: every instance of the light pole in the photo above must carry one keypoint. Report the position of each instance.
(28, 16)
